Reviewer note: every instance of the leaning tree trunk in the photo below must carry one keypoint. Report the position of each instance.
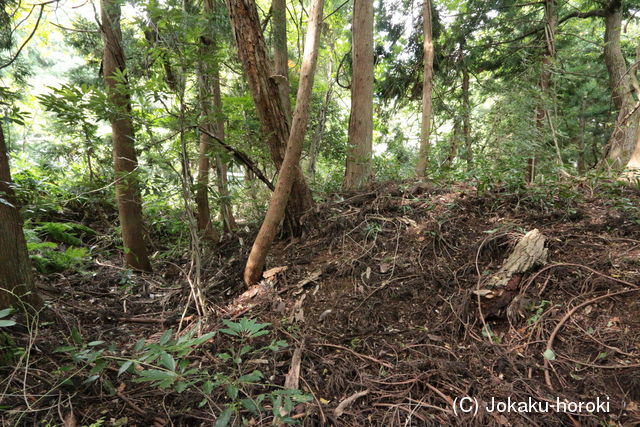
(264, 89)
(275, 213)
(124, 153)
(623, 140)
(281, 53)
(427, 88)
(16, 278)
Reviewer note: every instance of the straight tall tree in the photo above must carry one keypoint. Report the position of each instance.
(623, 83)
(427, 88)
(359, 150)
(205, 71)
(16, 277)
(281, 53)
(124, 154)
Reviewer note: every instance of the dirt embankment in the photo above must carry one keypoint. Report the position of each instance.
(381, 294)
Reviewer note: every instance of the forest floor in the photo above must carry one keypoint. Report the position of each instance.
(377, 296)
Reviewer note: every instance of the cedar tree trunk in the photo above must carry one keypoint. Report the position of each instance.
(427, 88)
(623, 140)
(124, 153)
(16, 277)
(280, 52)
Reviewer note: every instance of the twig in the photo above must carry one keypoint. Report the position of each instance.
(130, 403)
(359, 355)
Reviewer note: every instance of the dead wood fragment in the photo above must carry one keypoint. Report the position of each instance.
(348, 401)
(502, 287)
(292, 379)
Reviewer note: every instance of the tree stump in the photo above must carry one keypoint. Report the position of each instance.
(501, 287)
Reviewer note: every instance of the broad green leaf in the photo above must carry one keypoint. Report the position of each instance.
(124, 367)
(549, 354)
(166, 336)
(168, 361)
(225, 417)
(5, 312)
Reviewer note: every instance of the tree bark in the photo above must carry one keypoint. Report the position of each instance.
(124, 153)
(280, 53)
(623, 140)
(359, 150)
(16, 277)
(453, 145)
(275, 213)
(264, 89)
(427, 88)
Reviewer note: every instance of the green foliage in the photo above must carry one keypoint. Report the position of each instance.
(168, 365)
(48, 256)
(4, 321)
(64, 232)
(537, 310)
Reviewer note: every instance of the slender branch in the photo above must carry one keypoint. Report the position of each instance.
(335, 10)
(239, 155)
(27, 39)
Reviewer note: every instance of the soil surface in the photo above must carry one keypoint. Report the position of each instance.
(378, 293)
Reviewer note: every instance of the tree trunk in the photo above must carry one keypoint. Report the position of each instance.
(16, 277)
(550, 24)
(500, 289)
(275, 213)
(622, 142)
(314, 148)
(359, 151)
(582, 165)
(427, 87)
(124, 153)
(226, 210)
(453, 145)
(264, 89)
(280, 53)
(207, 73)
(204, 150)
(466, 117)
